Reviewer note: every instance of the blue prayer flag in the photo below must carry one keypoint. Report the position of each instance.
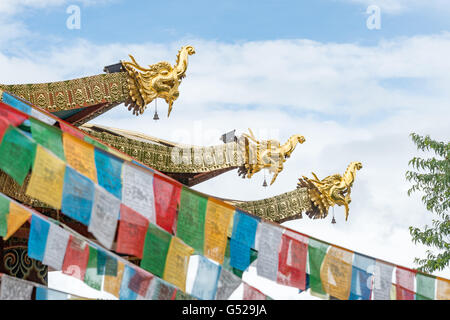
(206, 280)
(244, 228)
(239, 255)
(49, 294)
(362, 270)
(125, 292)
(38, 237)
(78, 196)
(109, 170)
(16, 103)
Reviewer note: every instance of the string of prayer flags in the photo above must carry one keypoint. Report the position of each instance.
(92, 278)
(68, 129)
(55, 248)
(157, 243)
(251, 293)
(137, 190)
(425, 286)
(48, 174)
(362, 271)
(167, 200)
(37, 240)
(125, 292)
(112, 282)
(218, 217)
(48, 136)
(18, 215)
(177, 263)
(109, 170)
(269, 246)
(80, 156)
(76, 258)
(404, 283)
(78, 196)
(336, 273)
(4, 212)
(16, 146)
(191, 219)
(104, 216)
(206, 279)
(11, 115)
(316, 254)
(227, 284)
(442, 289)
(242, 240)
(382, 281)
(292, 260)
(15, 289)
(16, 103)
(131, 232)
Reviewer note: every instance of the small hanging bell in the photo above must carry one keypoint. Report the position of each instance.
(155, 117)
(333, 221)
(264, 183)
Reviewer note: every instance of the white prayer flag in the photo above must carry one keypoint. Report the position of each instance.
(43, 117)
(55, 248)
(14, 289)
(137, 190)
(382, 281)
(104, 216)
(268, 248)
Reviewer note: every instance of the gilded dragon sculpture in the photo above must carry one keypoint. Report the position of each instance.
(160, 80)
(266, 154)
(332, 190)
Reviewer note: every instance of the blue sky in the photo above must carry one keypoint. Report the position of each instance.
(230, 21)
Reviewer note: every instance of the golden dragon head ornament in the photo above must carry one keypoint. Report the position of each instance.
(160, 80)
(332, 190)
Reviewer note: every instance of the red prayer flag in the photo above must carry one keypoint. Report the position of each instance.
(76, 258)
(132, 230)
(167, 199)
(405, 283)
(4, 124)
(13, 116)
(70, 130)
(140, 282)
(292, 260)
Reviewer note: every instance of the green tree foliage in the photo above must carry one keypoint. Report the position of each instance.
(431, 177)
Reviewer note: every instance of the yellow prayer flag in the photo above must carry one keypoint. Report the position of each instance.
(177, 263)
(443, 289)
(112, 283)
(47, 178)
(18, 215)
(336, 273)
(80, 156)
(217, 220)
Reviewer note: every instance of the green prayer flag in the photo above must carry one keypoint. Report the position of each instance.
(17, 154)
(48, 136)
(425, 287)
(191, 219)
(157, 242)
(92, 278)
(316, 252)
(95, 143)
(4, 211)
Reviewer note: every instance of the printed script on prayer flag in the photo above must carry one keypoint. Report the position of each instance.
(37, 239)
(137, 190)
(132, 231)
(218, 218)
(157, 243)
(14, 289)
(56, 246)
(362, 270)
(205, 284)
(92, 278)
(112, 282)
(18, 215)
(16, 154)
(104, 216)
(336, 273)
(292, 260)
(242, 240)
(177, 263)
(316, 253)
(109, 170)
(76, 258)
(48, 137)
(48, 174)
(442, 289)
(404, 283)
(191, 219)
(227, 284)
(140, 282)
(80, 156)
(425, 286)
(269, 246)
(167, 199)
(382, 281)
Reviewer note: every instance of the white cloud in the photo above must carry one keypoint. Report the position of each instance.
(351, 102)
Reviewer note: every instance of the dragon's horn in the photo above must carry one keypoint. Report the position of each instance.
(170, 108)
